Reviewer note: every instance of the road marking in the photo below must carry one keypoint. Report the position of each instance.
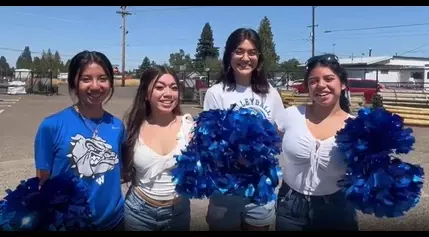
(9, 100)
(1, 111)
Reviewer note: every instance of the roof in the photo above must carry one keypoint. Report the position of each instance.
(363, 60)
(373, 60)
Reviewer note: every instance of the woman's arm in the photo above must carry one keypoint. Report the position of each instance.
(44, 150)
(122, 152)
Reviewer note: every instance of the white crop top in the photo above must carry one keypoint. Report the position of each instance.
(310, 166)
(153, 170)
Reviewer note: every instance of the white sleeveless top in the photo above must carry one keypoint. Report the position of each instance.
(153, 170)
(310, 166)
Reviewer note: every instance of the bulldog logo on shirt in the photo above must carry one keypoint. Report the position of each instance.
(92, 156)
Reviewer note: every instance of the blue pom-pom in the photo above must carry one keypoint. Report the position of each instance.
(231, 152)
(376, 182)
(60, 204)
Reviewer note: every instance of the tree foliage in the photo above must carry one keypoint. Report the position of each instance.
(180, 59)
(206, 50)
(206, 56)
(268, 45)
(24, 60)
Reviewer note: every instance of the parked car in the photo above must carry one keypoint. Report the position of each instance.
(369, 88)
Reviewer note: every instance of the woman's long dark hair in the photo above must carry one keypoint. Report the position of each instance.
(330, 61)
(259, 81)
(140, 111)
(80, 61)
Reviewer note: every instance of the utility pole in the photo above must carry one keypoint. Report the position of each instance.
(313, 27)
(124, 14)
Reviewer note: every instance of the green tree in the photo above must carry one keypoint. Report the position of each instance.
(37, 65)
(291, 64)
(50, 60)
(291, 67)
(205, 48)
(44, 65)
(179, 59)
(145, 65)
(214, 64)
(24, 61)
(66, 66)
(5, 69)
(57, 64)
(268, 45)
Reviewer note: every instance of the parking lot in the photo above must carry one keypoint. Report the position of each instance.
(19, 122)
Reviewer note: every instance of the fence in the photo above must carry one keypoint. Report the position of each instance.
(35, 82)
(41, 83)
(192, 82)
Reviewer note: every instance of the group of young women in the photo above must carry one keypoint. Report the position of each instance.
(105, 152)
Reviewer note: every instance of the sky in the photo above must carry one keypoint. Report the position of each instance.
(156, 32)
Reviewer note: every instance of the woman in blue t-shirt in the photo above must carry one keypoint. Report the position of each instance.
(85, 138)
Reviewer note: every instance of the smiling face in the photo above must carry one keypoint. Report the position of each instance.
(324, 86)
(164, 94)
(244, 59)
(93, 85)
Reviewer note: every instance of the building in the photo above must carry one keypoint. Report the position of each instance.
(22, 75)
(389, 70)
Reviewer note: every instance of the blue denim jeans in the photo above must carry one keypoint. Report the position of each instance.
(299, 212)
(230, 212)
(141, 216)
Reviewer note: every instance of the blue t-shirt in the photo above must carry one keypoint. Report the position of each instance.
(65, 141)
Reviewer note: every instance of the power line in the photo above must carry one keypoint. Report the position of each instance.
(378, 27)
(168, 9)
(378, 36)
(412, 50)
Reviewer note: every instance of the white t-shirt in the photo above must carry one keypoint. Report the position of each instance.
(270, 105)
(310, 166)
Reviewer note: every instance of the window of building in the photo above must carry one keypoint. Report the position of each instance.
(384, 71)
(417, 75)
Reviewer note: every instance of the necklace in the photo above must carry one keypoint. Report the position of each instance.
(87, 124)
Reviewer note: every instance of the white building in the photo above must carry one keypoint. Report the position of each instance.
(400, 70)
(63, 76)
(22, 75)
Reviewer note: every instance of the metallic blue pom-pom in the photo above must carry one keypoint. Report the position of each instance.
(231, 152)
(60, 204)
(376, 182)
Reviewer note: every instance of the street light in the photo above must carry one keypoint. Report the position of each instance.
(207, 69)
